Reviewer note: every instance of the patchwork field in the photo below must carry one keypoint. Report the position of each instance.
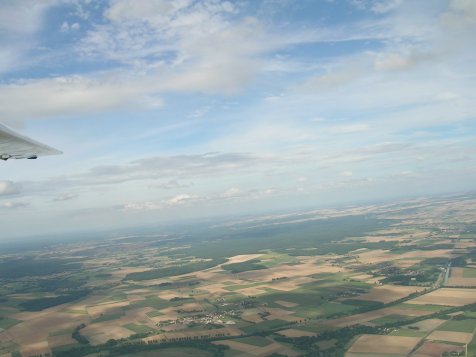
(365, 281)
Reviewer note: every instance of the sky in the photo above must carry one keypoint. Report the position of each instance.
(168, 111)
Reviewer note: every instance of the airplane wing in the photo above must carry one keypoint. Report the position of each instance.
(16, 146)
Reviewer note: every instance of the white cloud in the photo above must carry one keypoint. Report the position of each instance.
(8, 188)
(191, 46)
(181, 199)
(232, 192)
(71, 95)
(178, 200)
(13, 204)
(142, 206)
(383, 6)
(19, 22)
(23, 16)
(65, 26)
(348, 128)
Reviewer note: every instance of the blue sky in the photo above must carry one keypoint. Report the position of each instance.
(172, 110)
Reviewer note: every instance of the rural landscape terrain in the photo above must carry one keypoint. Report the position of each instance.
(387, 279)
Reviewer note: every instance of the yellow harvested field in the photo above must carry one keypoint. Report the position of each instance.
(251, 350)
(424, 254)
(35, 349)
(215, 288)
(280, 314)
(286, 303)
(251, 315)
(428, 325)
(388, 293)
(376, 239)
(134, 298)
(123, 272)
(446, 297)
(137, 291)
(62, 340)
(136, 315)
(8, 354)
(462, 245)
(382, 344)
(168, 295)
(252, 291)
(242, 258)
(98, 310)
(375, 256)
(405, 312)
(292, 333)
(168, 314)
(456, 272)
(190, 307)
(462, 282)
(238, 346)
(104, 331)
(406, 263)
(450, 336)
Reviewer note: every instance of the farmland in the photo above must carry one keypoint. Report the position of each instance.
(394, 279)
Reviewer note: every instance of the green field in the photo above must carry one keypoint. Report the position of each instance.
(464, 325)
(433, 308)
(255, 341)
(235, 268)
(6, 347)
(138, 328)
(389, 319)
(4, 313)
(154, 313)
(67, 331)
(472, 347)
(273, 259)
(469, 273)
(7, 323)
(108, 317)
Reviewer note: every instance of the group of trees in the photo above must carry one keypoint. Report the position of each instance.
(124, 347)
(77, 335)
